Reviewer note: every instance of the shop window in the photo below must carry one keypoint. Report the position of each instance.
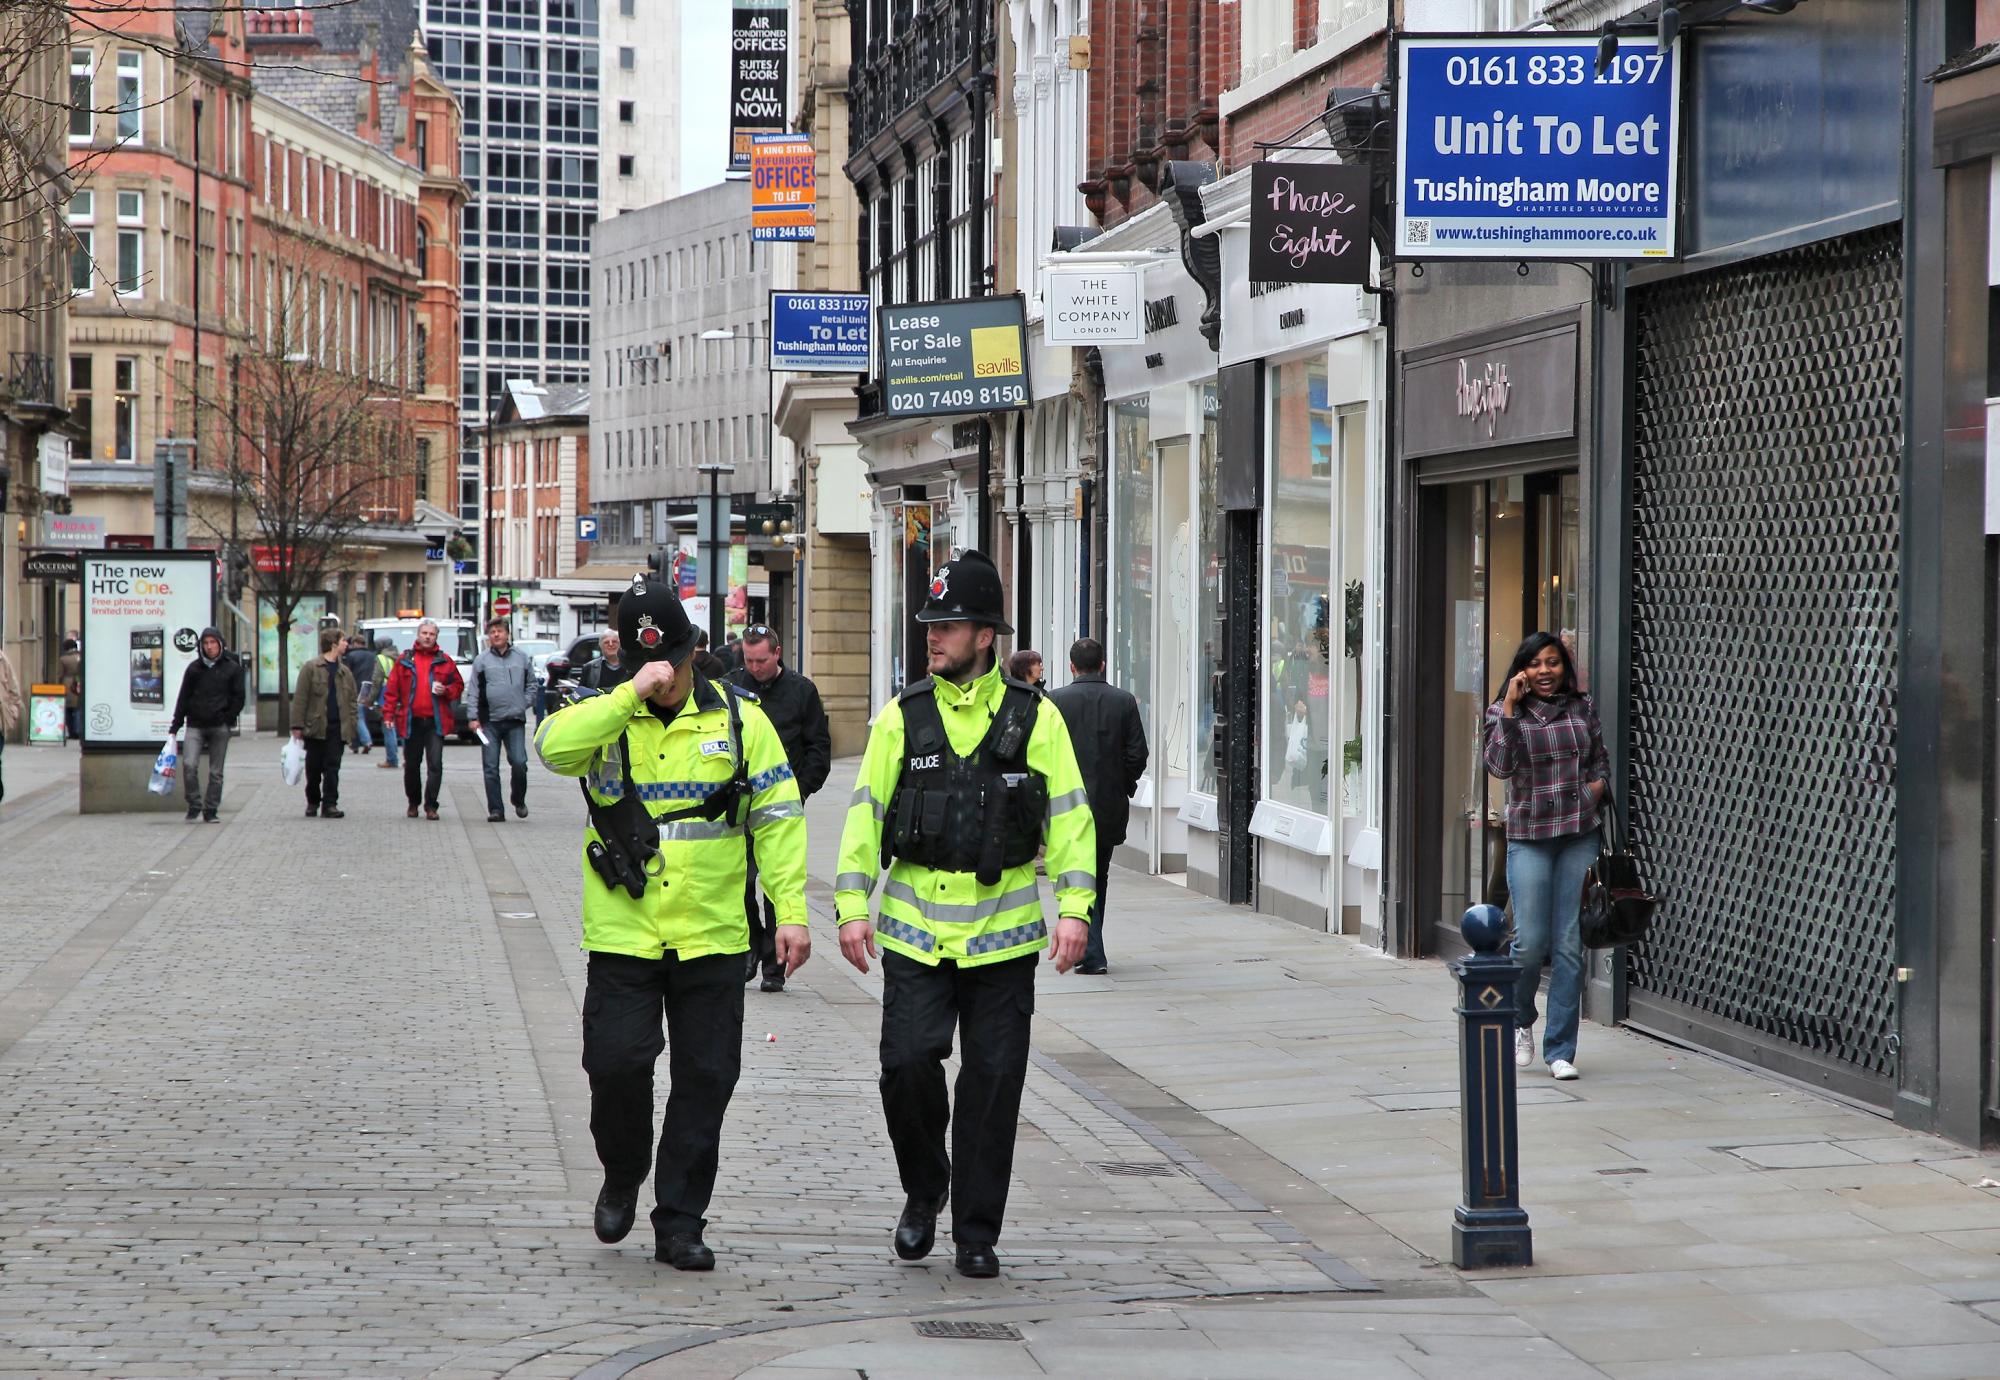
(1208, 589)
(1350, 610)
(1132, 564)
(1300, 602)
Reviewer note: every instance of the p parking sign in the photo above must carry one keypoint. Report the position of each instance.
(1518, 147)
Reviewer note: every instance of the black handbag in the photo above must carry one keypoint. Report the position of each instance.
(1616, 909)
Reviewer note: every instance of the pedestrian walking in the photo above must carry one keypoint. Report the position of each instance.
(1026, 667)
(792, 704)
(423, 685)
(205, 714)
(502, 694)
(385, 662)
(70, 662)
(1543, 739)
(360, 659)
(707, 662)
(608, 667)
(1109, 736)
(668, 934)
(323, 715)
(10, 709)
(964, 776)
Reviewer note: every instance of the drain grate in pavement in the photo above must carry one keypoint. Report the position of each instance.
(1137, 1169)
(970, 1331)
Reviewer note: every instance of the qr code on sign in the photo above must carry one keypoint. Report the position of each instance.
(1417, 232)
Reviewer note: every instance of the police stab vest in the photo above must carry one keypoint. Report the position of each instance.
(979, 814)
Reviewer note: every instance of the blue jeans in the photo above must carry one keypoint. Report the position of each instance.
(513, 735)
(389, 739)
(1545, 880)
(361, 723)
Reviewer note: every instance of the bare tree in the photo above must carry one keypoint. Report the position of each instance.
(316, 447)
(39, 165)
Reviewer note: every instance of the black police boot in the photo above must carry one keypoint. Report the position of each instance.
(685, 1251)
(616, 1208)
(978, 1262)
(916, 1229)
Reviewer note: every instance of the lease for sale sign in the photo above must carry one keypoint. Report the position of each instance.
(1519, 147)
(783, 187)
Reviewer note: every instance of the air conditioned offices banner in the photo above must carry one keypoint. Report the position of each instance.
(759, 45)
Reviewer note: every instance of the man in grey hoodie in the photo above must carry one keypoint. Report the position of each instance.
(500, 695)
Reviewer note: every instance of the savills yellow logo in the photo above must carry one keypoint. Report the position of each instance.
(996, 351)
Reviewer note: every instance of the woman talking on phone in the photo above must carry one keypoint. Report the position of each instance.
(1543, 739)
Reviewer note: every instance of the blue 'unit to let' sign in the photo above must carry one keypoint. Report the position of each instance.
(1518, 147)
(821, 332)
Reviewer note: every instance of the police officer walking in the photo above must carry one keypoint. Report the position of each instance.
(675, 769)
(964, 773)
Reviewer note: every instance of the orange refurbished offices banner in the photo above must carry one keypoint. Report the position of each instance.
(783, 187)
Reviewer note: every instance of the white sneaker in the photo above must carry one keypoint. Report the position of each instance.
(1524, 1047)
(1562, 1070)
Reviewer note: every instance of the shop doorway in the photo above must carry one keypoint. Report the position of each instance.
(1503, 564)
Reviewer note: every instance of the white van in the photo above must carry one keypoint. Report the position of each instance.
(457, 636)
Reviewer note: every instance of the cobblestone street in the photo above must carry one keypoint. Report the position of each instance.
(291, 1096)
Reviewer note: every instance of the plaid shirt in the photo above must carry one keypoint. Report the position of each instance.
(1547, 754)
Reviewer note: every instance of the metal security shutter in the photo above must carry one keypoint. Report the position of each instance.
(1765, 532)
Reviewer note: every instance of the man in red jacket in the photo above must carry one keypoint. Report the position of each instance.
(418, 700)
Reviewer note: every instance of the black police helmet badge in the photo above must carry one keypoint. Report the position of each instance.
(966, 589)
(653, 624)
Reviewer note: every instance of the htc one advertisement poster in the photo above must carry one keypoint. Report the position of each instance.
(143, 612)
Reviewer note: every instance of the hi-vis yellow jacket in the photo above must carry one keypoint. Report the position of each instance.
(931, 915)
(699, 910)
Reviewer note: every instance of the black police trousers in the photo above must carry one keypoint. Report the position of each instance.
(623, 1002)
(991, 1006)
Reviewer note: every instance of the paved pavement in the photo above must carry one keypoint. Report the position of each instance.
(300, 1097)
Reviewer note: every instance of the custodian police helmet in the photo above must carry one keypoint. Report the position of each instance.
(652, 624)
(966, 588)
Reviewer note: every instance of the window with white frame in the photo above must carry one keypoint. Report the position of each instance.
(125, 407)
(1498, 16)
(131, 242)
(82, 214)
(82, 95)
(129, 93)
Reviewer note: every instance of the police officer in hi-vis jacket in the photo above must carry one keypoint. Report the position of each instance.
(966, 775)
(676, 768)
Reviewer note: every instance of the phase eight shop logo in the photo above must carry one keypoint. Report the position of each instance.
(1483, 396)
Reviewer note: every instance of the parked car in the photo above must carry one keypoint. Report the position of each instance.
(582, 651)
(458, 636)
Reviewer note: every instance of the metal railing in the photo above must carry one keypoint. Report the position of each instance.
(31, 378)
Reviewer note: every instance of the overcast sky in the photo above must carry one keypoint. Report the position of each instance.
(704, 92)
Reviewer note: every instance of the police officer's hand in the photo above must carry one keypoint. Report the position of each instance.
(857, 943)
(795, 946)
(653, 677)
(1066, 948)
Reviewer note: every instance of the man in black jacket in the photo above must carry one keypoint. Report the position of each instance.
(791, 702)
(1110, 743)
(210, 699)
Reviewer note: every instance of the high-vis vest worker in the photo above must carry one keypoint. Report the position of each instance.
(695, 906)
(929, 914)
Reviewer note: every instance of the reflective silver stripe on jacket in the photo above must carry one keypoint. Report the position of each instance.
(909, 934)
(952, 913)
(863, 882)
(864, 796)
(1078, 799)
(784, 809)
(698, 830)
(1036, 933)
(1077, 879)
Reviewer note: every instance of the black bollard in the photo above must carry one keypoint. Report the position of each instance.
(1489, 1227)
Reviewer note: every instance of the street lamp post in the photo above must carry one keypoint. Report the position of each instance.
(714, 471)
